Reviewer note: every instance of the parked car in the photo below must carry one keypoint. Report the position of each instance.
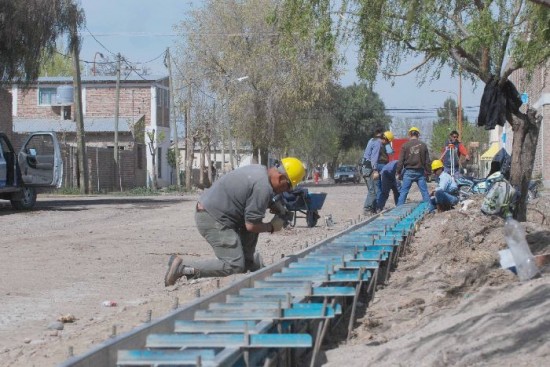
(347, 174)
(37, 165)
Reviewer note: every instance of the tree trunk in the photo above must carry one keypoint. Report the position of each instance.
(201, 164)
(211, 163)
(264, 157)
(526, 129)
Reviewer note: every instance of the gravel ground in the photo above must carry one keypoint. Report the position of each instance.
(72, 253)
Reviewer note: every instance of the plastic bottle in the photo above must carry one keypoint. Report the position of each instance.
(109, 303)
(523, 257)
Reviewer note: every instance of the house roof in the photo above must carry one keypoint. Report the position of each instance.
(92, 124)
(101, 79)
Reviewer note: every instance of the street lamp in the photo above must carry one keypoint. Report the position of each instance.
(458, 107)
(100, 55)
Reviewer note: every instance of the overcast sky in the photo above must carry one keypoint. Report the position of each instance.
(141, 30)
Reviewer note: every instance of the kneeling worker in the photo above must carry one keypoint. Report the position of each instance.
(445, 194)
(229, 215)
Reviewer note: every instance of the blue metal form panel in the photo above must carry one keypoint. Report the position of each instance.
(199, 326)
(301, 292)
(180, 341)
(253, 306)
(282, 300)
(165, 358)
(308, 311)
(315, 275)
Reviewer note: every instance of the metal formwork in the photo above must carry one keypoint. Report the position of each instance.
(279, 315)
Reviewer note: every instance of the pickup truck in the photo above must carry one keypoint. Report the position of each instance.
(37, 165)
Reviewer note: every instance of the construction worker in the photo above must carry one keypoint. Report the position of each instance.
(230, 215)
(389, 182)
(375, 158)
(446, 193)
(453, 151)
(413, 166)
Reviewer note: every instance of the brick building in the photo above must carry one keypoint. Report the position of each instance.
(47, 105)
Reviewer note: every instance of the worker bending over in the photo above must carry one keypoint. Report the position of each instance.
(230, 215)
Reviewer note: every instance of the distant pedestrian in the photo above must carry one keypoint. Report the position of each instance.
(413, 166)
(452, 153)
(445, 196)
(214, 170)
(316, 174)
(389, 182)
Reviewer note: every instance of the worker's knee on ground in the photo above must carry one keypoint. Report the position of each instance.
(235, 267)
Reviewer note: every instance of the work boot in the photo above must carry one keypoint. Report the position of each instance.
(176, 270)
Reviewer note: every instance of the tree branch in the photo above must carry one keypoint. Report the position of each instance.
(506, 38)
(466, 61)
(424, 62)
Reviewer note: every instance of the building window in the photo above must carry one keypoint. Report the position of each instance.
(163, 98)
(140, 156)
(47, 96)
(159, 162)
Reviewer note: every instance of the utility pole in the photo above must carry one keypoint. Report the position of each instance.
(459, 115)
(117, 106)
(77, 85)
(173, 118)
(189, 146)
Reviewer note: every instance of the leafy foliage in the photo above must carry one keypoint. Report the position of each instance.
(28, 33)
(56, 65)
(260, 75)
(337, 130)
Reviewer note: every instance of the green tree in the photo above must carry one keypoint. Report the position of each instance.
(483, 40)
(359, 111)
(259, 74)
(56, 65)
(28, 33)
(448, 113)
(337, 129)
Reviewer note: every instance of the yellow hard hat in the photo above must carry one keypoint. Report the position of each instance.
(388, 135)
(437, 164)
(294, 170)
(414, 129)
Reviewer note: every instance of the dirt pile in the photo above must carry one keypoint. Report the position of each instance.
(450, 303)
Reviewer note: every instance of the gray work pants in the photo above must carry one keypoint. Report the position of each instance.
(370, 203)
(234, 249)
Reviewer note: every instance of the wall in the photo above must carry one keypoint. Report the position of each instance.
(134, 102)
(27, 105)
(537, 86)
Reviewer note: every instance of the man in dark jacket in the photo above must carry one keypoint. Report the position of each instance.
(414, 166)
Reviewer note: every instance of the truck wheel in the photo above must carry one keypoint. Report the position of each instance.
(25, 200)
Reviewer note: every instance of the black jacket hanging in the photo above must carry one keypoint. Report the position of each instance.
(498, 104)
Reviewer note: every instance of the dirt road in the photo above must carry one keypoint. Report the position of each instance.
(72, 253)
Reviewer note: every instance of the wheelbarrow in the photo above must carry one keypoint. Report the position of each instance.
(306, 203)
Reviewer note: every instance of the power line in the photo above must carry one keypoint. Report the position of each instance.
(101, 44)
